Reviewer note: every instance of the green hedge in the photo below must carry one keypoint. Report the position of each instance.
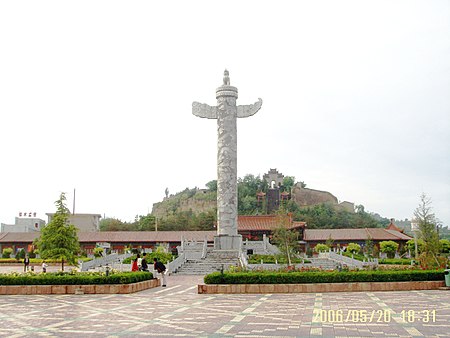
(322, 277)
(65, 278)
(39, 260)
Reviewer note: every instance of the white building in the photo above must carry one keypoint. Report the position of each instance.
(84, 222)
(26, 222)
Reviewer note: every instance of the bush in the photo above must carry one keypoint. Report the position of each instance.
(21, 254)
(389, 248)
(444, 245)
(321, 248)
(66, 278)
(6, 253)
(322, 277)
(355, 256)
(353, 248)
(98, 252)
(163, 257)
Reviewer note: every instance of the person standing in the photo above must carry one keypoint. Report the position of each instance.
(26, 263)
(139, 261)
(144, 264)
(44, 267)
(134, 265)
(161, 268)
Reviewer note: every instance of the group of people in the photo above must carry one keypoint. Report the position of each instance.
(28, 267)
(141, 264)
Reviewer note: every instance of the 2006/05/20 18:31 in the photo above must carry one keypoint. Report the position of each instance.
(374, 316)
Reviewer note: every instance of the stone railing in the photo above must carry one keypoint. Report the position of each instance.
(177, 263)
(243, 259)
(102, 261)
(347, 260)
(204, 250)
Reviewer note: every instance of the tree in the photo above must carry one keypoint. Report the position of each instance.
(212, 185)
(321, 248)
(6, 253)
(353, 248)
(58, 238)
(444, 245)
(389, 248)
(412, 248)
(288, 183)
(329, 242)
(285, 238)
(368, 247)
(98, 252)
(428, 230)
(112, 224)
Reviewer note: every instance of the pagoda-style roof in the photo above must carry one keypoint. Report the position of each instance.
(392, 226)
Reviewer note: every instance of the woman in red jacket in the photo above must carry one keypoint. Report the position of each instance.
(134, 265)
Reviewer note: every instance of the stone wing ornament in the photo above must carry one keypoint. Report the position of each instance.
(249, 109)
(204, 110)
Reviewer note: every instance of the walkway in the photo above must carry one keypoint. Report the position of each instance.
(178, 310)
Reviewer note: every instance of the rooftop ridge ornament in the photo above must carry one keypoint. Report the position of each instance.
(226, 113)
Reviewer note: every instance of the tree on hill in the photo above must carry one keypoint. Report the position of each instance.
(59, 239)
(212, 185)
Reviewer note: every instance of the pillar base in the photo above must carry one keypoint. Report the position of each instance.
(228, 242)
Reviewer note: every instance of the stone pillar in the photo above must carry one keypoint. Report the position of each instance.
(226, 112)
(227, 236)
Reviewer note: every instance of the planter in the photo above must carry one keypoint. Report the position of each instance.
(320, 287)
(78, 289)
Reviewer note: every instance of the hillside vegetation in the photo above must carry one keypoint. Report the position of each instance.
(195, 209)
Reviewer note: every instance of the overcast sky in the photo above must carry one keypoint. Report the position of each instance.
(97, 96)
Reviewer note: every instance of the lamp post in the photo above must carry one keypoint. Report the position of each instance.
(415, 229)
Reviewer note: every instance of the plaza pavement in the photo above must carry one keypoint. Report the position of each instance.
(178, 311)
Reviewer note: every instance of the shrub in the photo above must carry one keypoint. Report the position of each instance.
(66, 278)
(355, 256)
(444, 245)
(353, 248)
(21, 254)
(321, 248)
(389, 248)
(98, 252)
(322, 277)
(6, 253)
(163, 257)
(412, 246)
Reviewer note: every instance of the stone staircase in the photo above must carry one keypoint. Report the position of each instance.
(214, 261)
(322, 263)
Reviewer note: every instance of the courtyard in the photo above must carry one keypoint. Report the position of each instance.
(178, 310)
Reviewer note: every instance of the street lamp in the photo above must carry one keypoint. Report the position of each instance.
(415, 229)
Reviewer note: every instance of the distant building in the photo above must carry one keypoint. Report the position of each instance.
(26, 222)
(83, 222)
(343, 237)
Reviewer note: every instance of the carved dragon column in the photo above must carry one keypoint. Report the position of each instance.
(226, 112)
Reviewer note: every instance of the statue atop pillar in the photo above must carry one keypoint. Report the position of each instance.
(226, 113)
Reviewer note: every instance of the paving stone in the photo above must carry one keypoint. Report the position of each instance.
(179, 310)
